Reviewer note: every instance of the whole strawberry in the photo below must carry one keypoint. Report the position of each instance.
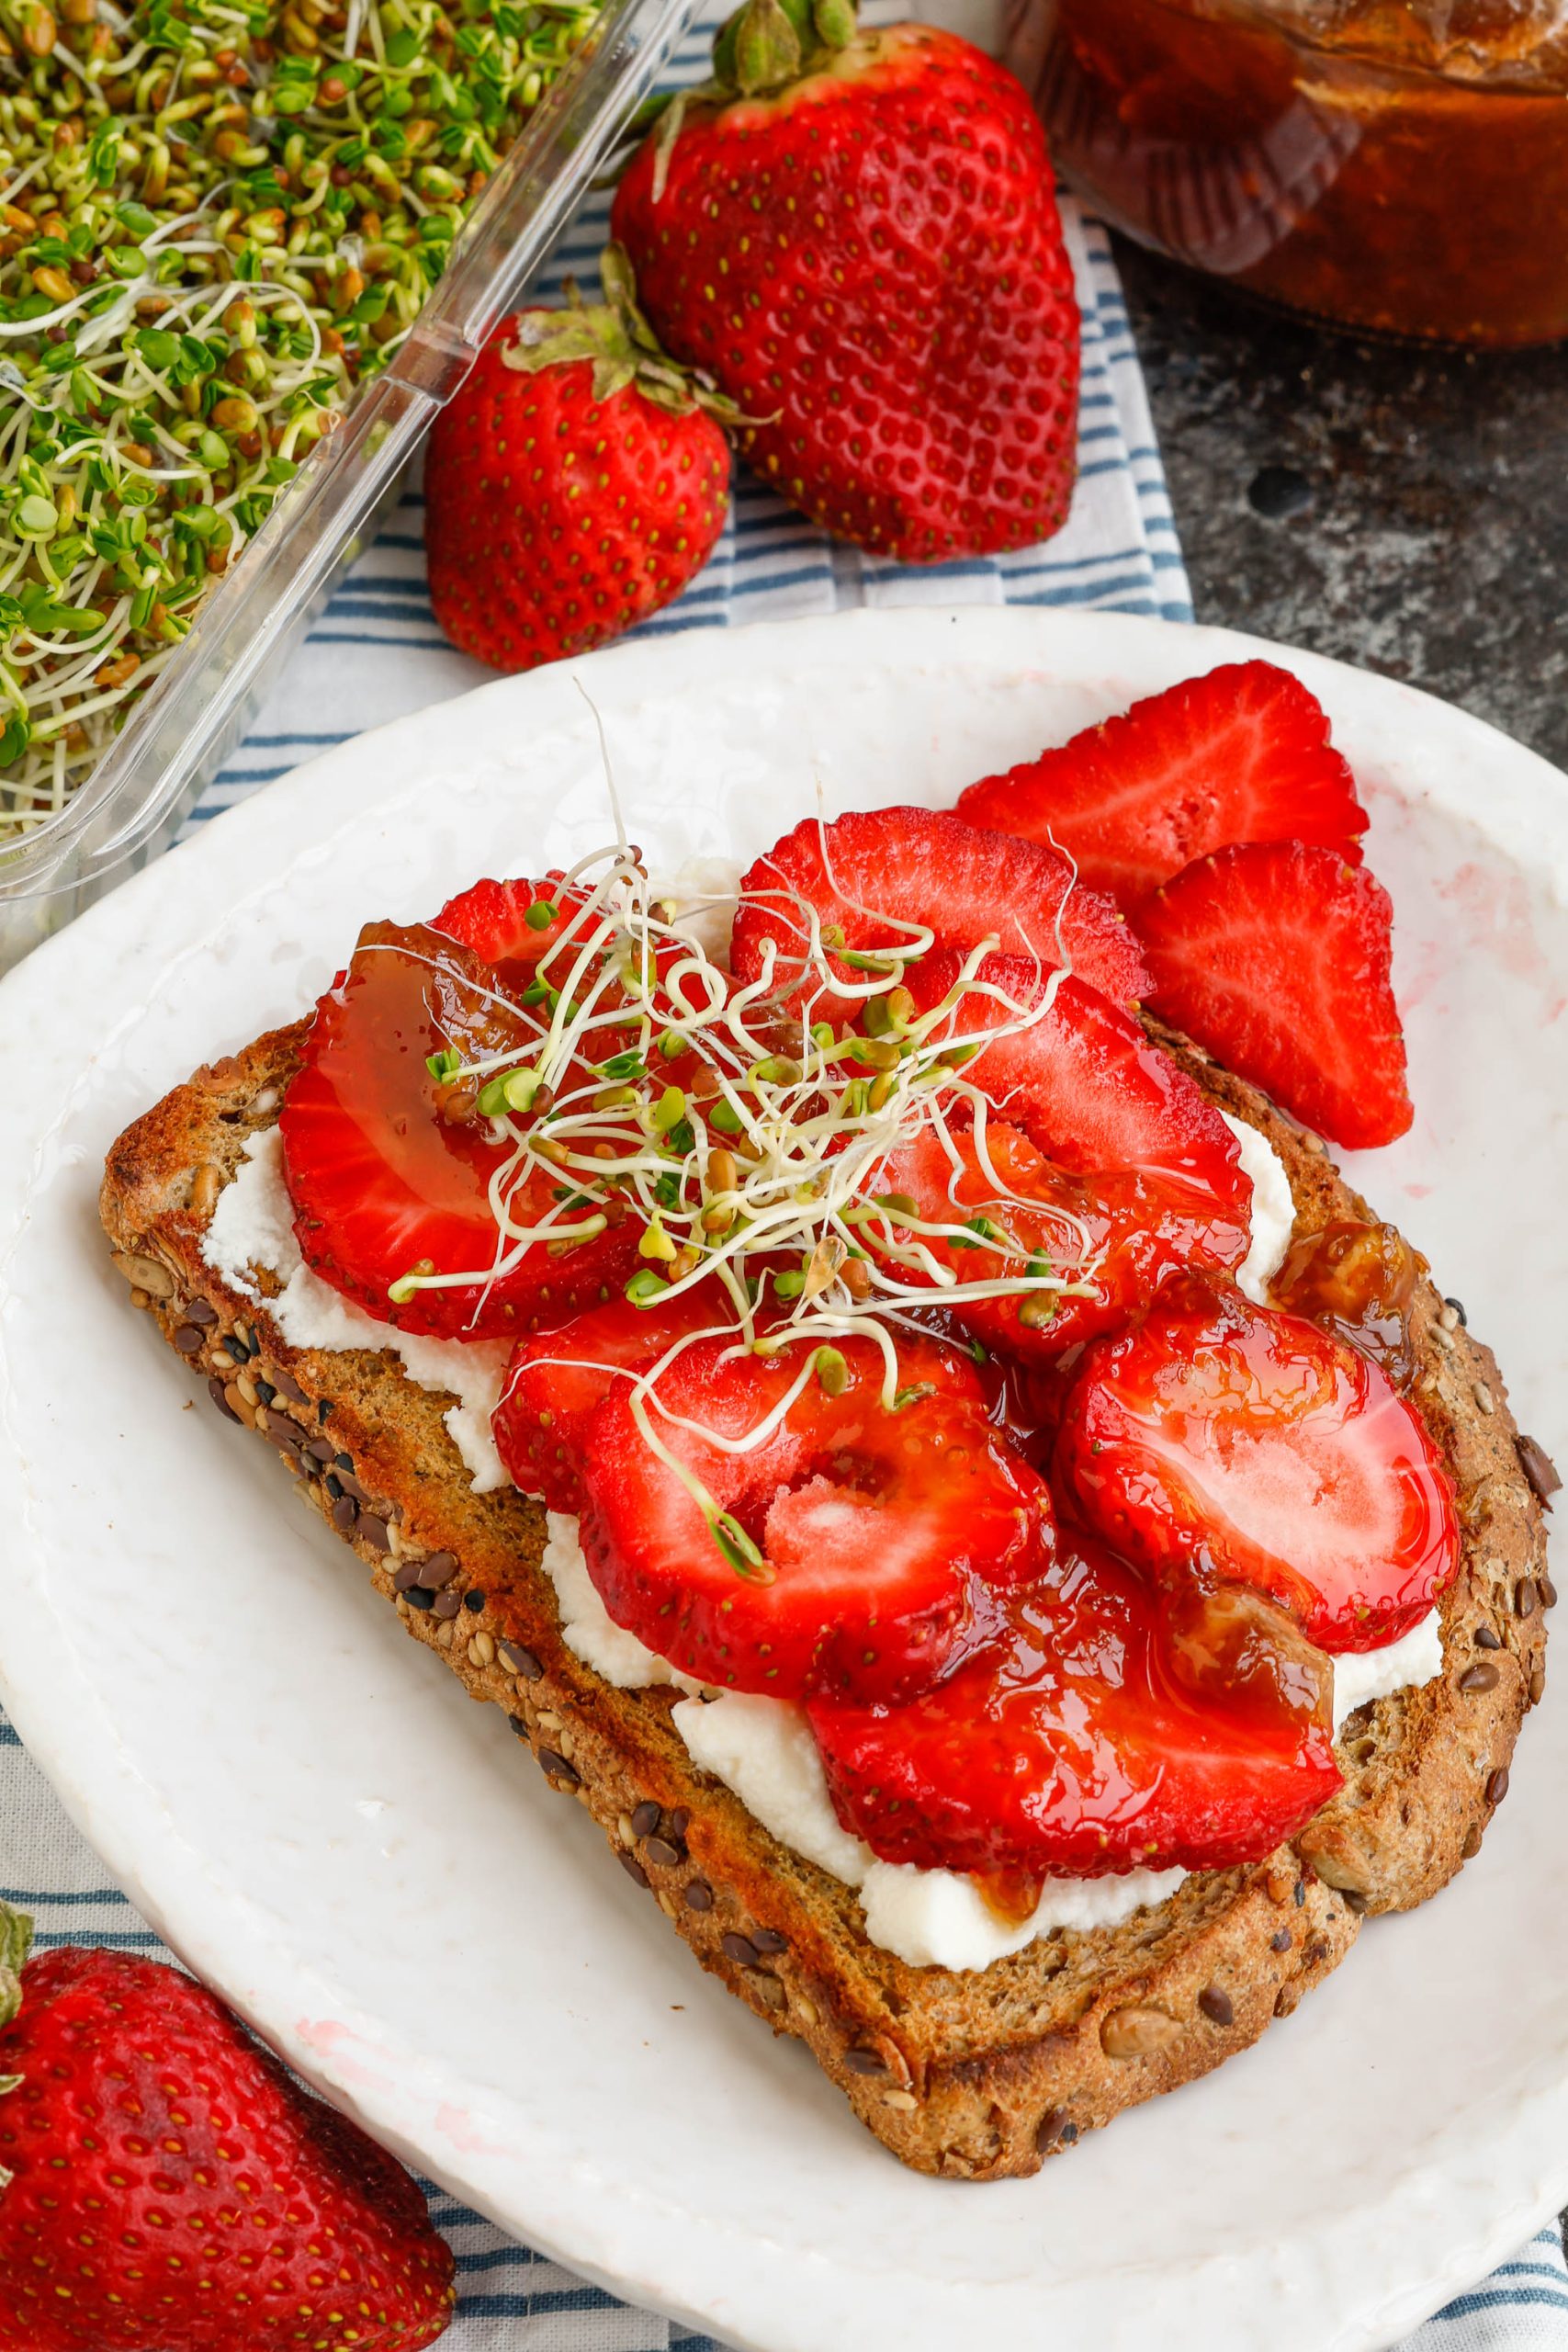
(854, 234)
(164, 2186)
(576, 483)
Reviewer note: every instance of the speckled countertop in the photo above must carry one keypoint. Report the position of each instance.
(1401, 508)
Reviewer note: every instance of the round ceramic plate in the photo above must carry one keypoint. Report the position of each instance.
(330, 1835)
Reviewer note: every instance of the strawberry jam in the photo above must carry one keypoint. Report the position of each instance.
(1010, 1895)
(389, 1166)
(1234, 1646)
(1385, 163)
(1221, 1435)
(1358, 1281)
(1074, 1742)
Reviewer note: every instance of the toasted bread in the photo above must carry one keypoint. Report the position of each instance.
(972, 2075)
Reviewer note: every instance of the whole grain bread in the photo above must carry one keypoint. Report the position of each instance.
(975, 2074)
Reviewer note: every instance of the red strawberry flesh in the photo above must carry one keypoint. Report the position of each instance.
(1276, 957)
(1080, 1077)
(1114, 1238)
(888, 877)
(511, 926)
(389, 1169)
(557, 1382)
(870, 1525)
(1071, 1744)
(1241, 754)
(1220, 1429)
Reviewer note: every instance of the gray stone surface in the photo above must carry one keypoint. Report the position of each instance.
(1416, 501)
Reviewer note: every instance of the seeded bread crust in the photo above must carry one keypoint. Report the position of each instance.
(972, 2076)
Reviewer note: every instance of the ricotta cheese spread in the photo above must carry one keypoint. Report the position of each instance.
(1273, 1211)
(705, 892)
(1405, 1665)
(253, 1226)
(762, 1748)
(587, 1627)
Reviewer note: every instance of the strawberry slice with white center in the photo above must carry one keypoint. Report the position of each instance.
(1276, 957)
(389, 1166)
(1242, 754)
(882, 879)
(1090, 1734)
(1221, 1431)
(1080, 1077)
(842, 1549)
(1006, 1210)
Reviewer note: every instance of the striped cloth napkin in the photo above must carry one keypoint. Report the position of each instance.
(377, 654)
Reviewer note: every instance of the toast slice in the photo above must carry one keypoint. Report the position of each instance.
(979, 2075)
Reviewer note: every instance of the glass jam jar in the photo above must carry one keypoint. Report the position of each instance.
(1397, 165)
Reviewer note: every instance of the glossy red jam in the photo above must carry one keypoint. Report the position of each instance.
(1400, 166)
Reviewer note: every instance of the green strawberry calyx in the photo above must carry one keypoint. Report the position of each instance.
(16, 1943)
(760, 49)
(767, 43)
(618, 343)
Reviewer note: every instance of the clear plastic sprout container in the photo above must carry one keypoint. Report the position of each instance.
(181, 727)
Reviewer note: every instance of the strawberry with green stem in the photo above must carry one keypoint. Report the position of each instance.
(855, 234)
(577, 482)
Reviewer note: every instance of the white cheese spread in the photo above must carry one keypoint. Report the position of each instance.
(1405, 1665)
(587, 1627)
(705, 891)
(1273, 1211)
(762, 1748)
(252, 1227)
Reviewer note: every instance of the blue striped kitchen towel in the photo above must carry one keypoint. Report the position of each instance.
(377, 654)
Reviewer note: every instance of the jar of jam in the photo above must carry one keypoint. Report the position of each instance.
(1400, 166)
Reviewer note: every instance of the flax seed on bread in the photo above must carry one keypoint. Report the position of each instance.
(971, 2075)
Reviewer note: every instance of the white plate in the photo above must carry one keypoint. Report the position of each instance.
(318, 1821)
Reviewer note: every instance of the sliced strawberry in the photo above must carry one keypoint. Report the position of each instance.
(556, 1382)
(516, 927)
(510, 925)
(1276, 957)
(1113, 1237)
(888, 876)
(1082, 1079)
(1080, 1739)
(1255, 1439)
(389, 1168)
(852, 1535)
(1240, 755)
